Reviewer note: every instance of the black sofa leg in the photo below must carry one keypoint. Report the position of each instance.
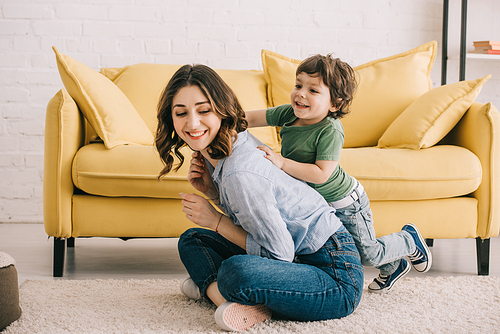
(483, 256)
(429, 242)
(70, 242)
(59, 251)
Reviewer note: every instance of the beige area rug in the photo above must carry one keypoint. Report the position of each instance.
(464, 304)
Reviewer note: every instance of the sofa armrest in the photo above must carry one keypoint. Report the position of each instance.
(479, 131)
(64, 135)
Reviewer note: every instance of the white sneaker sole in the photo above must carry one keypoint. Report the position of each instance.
(190, 289)
(238, 317)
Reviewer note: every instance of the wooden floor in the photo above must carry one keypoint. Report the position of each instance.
(105, 258)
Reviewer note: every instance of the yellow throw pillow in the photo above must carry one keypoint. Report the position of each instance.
(103, 104)
(386, 87)
(280, 76)
(430, 117)
(250, 88)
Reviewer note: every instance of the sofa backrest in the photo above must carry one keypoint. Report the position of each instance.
(144, 83)
(125, 99)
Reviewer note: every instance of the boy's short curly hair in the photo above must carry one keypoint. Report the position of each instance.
(337, 75)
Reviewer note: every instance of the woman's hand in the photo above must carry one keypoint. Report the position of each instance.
(199, 176)
(274, 157)
(199, 210)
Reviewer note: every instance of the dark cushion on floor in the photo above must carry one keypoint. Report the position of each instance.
(10, 310)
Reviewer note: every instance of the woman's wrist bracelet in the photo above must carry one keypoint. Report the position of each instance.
(217, 227)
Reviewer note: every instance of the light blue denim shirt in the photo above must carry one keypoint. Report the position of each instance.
(282, 215)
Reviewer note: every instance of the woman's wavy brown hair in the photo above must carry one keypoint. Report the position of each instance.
(337, 75)
(223, 101)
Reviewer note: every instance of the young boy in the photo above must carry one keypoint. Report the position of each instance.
(312, 138)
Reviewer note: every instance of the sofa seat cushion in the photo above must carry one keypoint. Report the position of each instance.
(128, 170)
(387, 174)
(441, 171)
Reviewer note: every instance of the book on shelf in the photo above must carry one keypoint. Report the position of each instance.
(487, 52)
(486, 43)
(487, 47)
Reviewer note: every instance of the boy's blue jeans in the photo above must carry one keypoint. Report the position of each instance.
(385, 252)
(324, 285)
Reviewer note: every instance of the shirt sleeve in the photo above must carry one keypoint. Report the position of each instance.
(253, 203)
(329, 146)
(280, 115)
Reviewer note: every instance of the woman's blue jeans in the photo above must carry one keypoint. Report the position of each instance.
(324, 285)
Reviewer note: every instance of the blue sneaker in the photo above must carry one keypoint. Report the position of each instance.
(384, 284)
(421, 258)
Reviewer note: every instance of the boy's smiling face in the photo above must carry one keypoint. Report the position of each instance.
(310, 99)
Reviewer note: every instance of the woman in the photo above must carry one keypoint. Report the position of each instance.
(272, 250)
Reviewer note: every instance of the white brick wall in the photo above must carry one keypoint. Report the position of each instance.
(220, 33)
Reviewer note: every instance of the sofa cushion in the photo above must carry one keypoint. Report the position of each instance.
(128, 170)
(402, 174)
(144, 83)
(280, 76)
(441, 171)
(430, 117)
(104, 105)
(386, 87)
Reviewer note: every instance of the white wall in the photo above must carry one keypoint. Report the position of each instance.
(220, 33)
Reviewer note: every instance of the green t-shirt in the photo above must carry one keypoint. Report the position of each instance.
(307, 144)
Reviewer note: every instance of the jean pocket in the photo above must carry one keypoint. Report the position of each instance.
(365, 222)
(356, 274)
(321, 258)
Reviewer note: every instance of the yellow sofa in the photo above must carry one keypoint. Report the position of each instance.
(424, 155)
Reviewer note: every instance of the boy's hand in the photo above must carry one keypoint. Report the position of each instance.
(274, 157)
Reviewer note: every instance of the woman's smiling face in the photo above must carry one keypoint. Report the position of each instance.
(194, 120)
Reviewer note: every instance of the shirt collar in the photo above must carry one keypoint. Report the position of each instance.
(242, 138)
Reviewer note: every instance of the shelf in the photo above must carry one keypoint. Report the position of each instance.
(483, 56)
(463, 44)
